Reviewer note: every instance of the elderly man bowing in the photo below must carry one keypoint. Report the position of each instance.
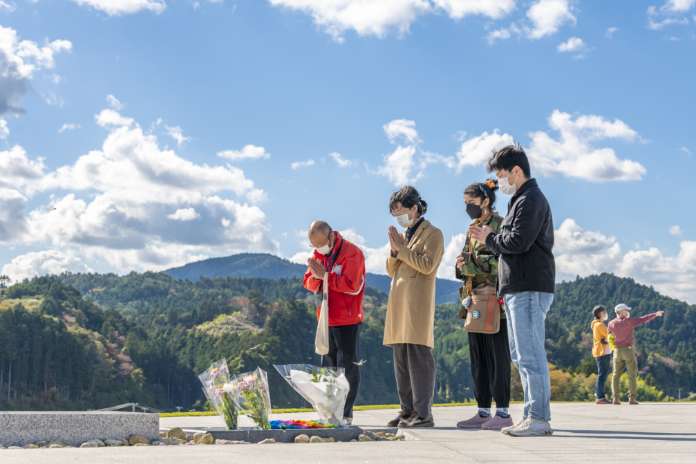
(345, 264)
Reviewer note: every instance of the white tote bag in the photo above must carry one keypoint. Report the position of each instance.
(321, 340)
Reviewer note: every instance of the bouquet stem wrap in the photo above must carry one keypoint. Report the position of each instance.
(324, 388)
(249, 393)
(214, 380)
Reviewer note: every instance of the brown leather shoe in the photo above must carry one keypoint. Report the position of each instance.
(602, 401)
(633, 402)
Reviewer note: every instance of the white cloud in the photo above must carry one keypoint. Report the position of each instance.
(176, 133)
(6, 6)
(114, 103)
(652, 267)
(572, 45)
(4, 129)
(38, 263)
(184, 214)
(297, 165)
(548, 16)
(12, 215)
(686, 151)
(476, 151)
(369, 18)
(18, 171)
(452, 250)
(611, 31)
(124, 7)
(365, 17)
(583, 252)
(340, 161)
(679, 6)
(68, 126)
(493, 9)
(112, 207)
(402, 130)
(671, 13)
(399, 165)
(543, 18)
(675, 231)
(247, 152)
(20, 61)
(108, 117)
(573, 154)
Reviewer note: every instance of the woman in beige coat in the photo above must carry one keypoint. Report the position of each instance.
(408, 329)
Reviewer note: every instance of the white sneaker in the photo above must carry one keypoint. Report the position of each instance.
(532, 428)
(507, 430)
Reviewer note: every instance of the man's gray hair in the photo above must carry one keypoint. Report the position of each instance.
(320, 226)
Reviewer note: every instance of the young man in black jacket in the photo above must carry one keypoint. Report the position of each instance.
(526, 278)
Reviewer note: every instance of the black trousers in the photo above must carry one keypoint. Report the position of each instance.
(490, 367)
(343, 352)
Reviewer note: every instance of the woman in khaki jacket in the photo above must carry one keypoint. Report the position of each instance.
(408, 329)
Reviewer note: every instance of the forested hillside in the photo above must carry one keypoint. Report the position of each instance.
(93, 340)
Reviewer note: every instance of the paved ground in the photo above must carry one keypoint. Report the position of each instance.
(649, 433)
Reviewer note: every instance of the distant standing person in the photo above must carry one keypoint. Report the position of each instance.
(625, 355)
(345, 264)
(601, 351)
(409, 325)
(526, 280)
(489, 352)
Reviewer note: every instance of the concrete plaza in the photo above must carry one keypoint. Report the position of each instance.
(648, 433)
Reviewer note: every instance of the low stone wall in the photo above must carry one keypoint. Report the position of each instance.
(288, 436)
(74, 428)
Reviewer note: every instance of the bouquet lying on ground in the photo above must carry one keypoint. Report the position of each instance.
(214, 380)
(325, 389)
(251, 396)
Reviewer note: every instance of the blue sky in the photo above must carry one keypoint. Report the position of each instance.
(337, 103)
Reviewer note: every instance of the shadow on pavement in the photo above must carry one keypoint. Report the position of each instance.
(625, 435)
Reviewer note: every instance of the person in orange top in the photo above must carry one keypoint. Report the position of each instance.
(345, 264)
(601, 351)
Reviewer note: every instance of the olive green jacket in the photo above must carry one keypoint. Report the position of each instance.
(481, 263)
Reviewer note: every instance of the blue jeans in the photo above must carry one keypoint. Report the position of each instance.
(603, 369)
(526, 317)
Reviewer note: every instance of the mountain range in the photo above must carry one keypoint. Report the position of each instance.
(267, 266)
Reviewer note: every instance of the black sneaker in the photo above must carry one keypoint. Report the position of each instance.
(399, 419)
(418, 422)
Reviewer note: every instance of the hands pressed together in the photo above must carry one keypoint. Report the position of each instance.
(480, 233)
(396, 240)
(316, 268)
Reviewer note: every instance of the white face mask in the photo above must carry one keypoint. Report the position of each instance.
(404, 221)
(505, 186)
(324, 250)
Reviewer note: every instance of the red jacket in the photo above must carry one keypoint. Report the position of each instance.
(346, 282)
(623, 328)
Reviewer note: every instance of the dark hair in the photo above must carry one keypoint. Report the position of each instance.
(597, 310)
(408, 196)
(483, 190)
(509, 157)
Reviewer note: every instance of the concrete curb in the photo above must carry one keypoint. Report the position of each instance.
(74, 428)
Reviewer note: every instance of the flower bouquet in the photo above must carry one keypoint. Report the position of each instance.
(251, 396)
(324, 388)
(214, 380)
